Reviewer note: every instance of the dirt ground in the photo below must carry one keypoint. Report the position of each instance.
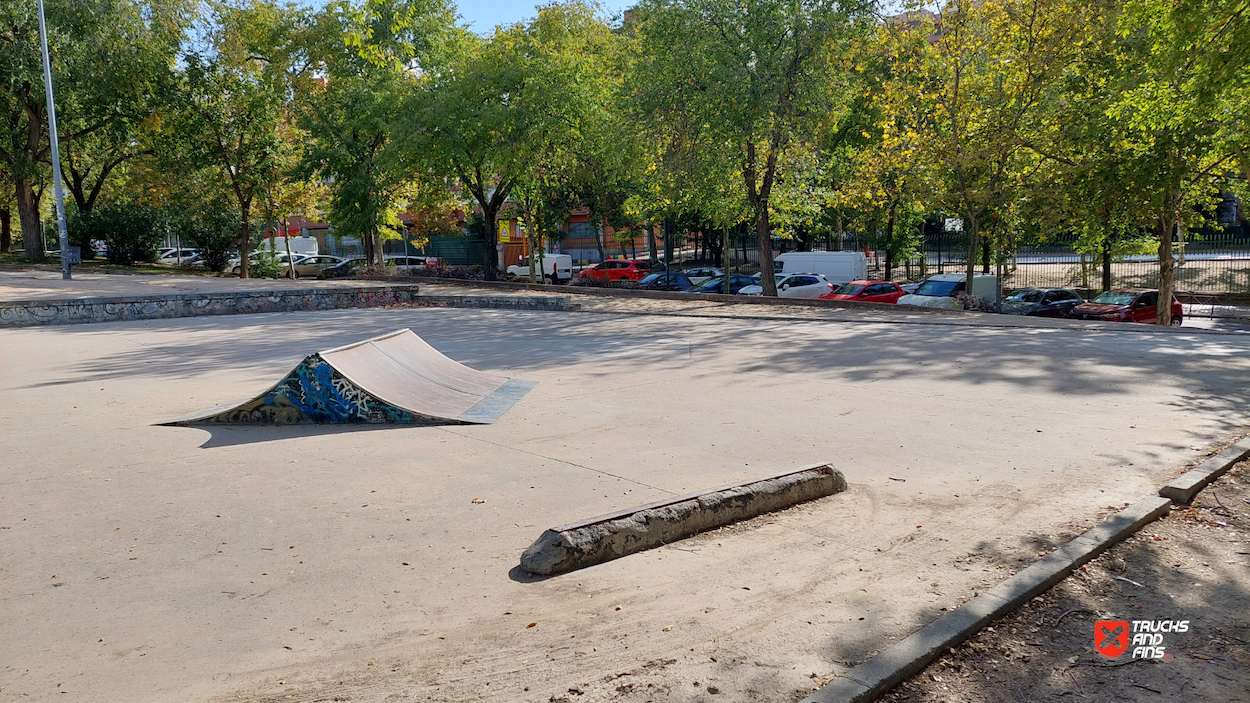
(1191, 565)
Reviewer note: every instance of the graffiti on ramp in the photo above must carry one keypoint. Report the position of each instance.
(396, 378)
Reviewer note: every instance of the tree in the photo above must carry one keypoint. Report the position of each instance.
(105, 55)
(975, 95)
(369, 57)
(756, 74)
(505, 103)
(1181, 62)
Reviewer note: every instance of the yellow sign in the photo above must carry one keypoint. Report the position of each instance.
(505, 232)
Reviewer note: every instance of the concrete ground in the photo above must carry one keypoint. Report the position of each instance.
(152, 563)
(1191, 566)
(38, 284)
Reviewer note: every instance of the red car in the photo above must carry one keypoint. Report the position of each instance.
(617, 270)
(867, 292)
(1132, 305)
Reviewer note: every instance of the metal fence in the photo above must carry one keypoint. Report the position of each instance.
(1213, 262)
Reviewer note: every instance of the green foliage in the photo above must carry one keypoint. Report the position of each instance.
(131, 231)
(740, 87)
(215, 232)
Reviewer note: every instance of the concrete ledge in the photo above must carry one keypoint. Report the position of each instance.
(594, 541)
(1183, 488)
(886, 670)
(70, 311)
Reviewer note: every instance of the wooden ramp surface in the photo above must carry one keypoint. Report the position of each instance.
(395, 378)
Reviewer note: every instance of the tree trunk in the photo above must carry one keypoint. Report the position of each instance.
(245, 236)
(985, 256)
(889, 244)
(837, 228)
(603, 255)
(1167, 268)
(490, 257)
(529, 239)
(6, 230)
(28, 214)
(971, 227)
(1106, 264)
(763, 231)
(724, 252)
(655, 251)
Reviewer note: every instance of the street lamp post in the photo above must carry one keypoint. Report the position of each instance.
(56, 148)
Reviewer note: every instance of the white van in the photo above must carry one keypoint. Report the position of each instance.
(940, 291)
(557, 268)
(299, 245)
(837, 267)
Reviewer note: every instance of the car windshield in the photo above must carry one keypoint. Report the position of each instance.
(1024, 296)
(937, 288)
(850, 288)
(651, 279)
(1115, 297)
(715, 282)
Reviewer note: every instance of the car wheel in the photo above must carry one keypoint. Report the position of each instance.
(236, 270)
(1177, 322)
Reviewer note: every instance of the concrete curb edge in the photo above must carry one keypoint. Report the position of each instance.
(1183, 488)
(883, 672)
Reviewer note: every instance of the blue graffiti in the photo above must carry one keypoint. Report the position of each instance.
(315, 393)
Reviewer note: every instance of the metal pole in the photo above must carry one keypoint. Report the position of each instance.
(56, 148)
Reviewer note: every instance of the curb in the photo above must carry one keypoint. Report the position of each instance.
(607, 537)
(73, 311)
(1184, 487)
(903, 660)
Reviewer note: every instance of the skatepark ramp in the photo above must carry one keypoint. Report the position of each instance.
(396, 378)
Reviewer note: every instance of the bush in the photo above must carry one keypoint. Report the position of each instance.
(266, 265)
(469, 273)
(977, 303)
(130, 231)
(216, 235)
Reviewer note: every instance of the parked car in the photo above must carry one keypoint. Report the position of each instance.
(665, 281)
(717, 284)
(174, 256)
(313, 265)
(1130, 305)
(699, 275)
(943, 289)
(236, 266)
(556, 268)
(410, 265)
(616, 270)
(344, 268)
(1041, 302)
(795, 285)
(867, 292)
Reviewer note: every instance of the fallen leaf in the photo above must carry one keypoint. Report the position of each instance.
(1200, 656)
(479, 500)
(530, 625)
(669, 628)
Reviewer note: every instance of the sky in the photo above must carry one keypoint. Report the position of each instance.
(483, 15)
